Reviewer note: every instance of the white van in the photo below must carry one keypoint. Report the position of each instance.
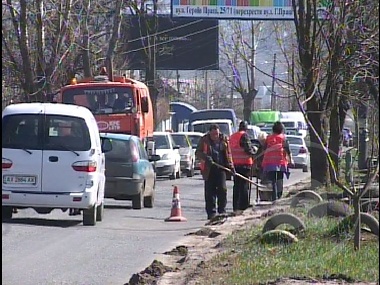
(203, 126)
(52, 159)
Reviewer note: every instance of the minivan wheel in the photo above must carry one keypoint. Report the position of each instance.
(190, 172)
(173, 175)
(89, 216)
(100, 212)
(137, 200)
(6, 212)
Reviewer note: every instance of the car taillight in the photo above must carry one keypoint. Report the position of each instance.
(134, 152)
(84, 166)
(6, 163)
(303, 150)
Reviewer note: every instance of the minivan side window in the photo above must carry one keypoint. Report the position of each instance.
(20, 131)
(121, 151)
(66, 133)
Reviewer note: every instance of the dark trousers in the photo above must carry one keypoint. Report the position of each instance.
(240, 196)
(216, 192)
(277, 180)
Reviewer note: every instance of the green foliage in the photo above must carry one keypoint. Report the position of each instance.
(317, 254)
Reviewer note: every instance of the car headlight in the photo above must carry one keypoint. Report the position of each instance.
(185, 156)
(166, 156)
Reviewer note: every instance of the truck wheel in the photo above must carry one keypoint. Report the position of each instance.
(6, 212)
(89, 216)
(100, 212)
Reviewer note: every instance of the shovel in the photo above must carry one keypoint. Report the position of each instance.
(239, 175)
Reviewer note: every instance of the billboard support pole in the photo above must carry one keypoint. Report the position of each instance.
(206, 90)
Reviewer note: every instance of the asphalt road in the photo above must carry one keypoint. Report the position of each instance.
(56, 248)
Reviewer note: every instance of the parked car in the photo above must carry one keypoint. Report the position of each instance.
(52, 158)
(194, 138)
(186, 152)
(300, 152)
(166, 148)
(129, 171)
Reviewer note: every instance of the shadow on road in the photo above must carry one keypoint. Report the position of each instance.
(117, 207)
(43, 222)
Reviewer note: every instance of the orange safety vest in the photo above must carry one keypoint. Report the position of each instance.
(239, 156)
(274, 152)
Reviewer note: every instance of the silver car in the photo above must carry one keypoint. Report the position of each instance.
(300, 152)
(186, 152)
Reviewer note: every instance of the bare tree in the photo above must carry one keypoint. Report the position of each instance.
(239, 42)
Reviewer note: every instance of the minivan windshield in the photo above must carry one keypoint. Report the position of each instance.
(161, 142)
(194, 140)
(181, 140)
(205, 127)
(45, 132)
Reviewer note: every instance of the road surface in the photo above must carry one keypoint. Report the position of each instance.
(57, 249)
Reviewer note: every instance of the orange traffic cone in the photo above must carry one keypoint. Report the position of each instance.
(176, 213)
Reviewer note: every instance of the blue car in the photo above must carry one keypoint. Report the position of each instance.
(129, 172)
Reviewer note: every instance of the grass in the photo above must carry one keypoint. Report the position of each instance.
(318, 254)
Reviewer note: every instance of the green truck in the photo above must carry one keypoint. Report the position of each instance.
(264, 118)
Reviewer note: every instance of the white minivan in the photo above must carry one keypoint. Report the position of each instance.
(52, 158)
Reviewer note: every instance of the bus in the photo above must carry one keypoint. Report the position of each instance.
(122, 105)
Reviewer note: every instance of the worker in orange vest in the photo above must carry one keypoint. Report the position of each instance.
(277, 156)
(242, 155)
(213, 148)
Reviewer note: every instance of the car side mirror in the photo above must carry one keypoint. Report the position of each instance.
(154, 157)
(144, 105)
(176, 147)
(106, 145)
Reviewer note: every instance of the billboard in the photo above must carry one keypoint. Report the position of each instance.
(234, 9)
(240, 9)
(181, 44)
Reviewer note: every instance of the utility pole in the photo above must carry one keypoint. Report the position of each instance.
(253, 63)
(273, 94)
(206, 90)
(178, 84)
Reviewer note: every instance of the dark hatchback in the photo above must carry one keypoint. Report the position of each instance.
(129, 172)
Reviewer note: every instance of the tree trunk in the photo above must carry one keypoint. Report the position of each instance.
(247, 101)
(22, 30)
(86, 41)
(114, 37)
(334, 142)
(318, 160)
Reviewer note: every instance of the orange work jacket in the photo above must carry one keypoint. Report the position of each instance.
(239, 156)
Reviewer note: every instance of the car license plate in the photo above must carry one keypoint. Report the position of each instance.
(18, 179)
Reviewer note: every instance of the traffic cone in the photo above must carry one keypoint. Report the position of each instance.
(176, 213)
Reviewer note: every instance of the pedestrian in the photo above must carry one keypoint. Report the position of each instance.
(242, 152)
(277, 156)
(213, 148)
